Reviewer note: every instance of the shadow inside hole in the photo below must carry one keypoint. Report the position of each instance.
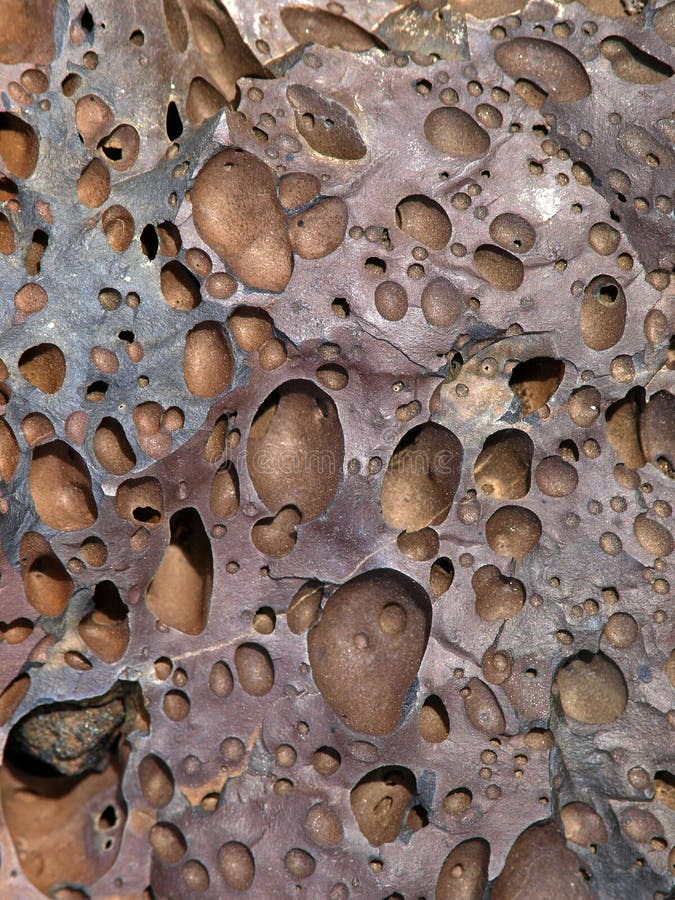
(147, 514)
(174, 123)
(61, 776)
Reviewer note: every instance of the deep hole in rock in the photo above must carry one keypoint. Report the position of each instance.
(534, 381)
(37, 248)
(87, 20)
(146, 514)
(108, 818)
(149, 241)
(113, 153)
(174, 123)
(179, 593)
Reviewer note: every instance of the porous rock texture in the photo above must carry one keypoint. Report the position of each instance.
(336, 449)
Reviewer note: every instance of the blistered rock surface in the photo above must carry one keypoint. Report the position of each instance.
(337, 431)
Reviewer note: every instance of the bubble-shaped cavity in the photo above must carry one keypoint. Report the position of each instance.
(7, 243)
(156, 781)
(379, 621)
(298, 189)
(489, 115)
(36, 428)
(93, 185)
(464, 873)
(179, 593)
(434, 720)
(539, 864)
(622, 427)
(250, 327)
(9, 452)
(631, 63)
(179, 286)
(175, 24)
(208, 364)
(236, 211)
(323, 826)
(176, 705)
(534, 381)
(304, 607)
(93, 551)
(657, 431)
(46, 583)
(299, 863)
(653, 537)
(167, 842)
(621, 630)
(603, 238)
(497, 597)
(140, 501)
(482, 708)
(499, 267)
(120, 148)
(203, 101)
(19, 146)
(43, 366)
(512, 232)
(640, 825)
(255, 669)
(549, 65)
(236, 865)
(555, 477)
(308, 23)
(296, 449)
(221, 681)
(224, 492)
(391, 300)
(664, 23)
(441, 302)
(418, 545)
(93, 119)
(111, 447)
(60, 485)
(118, 227)
(602, 313)
(591, 688)
(332, 376)
(456, 133)
(513, 531)
(583, 406)
(326, 125)
(497, 665)
(276, 536)
(319, 230)
(441, 576)
(422, 477)
(105, 629)
(272, 354)
(655, 326)
(503, 467)
(582, 825)
(379, 802)
(424, 221)
(195, 876)
(645, 147)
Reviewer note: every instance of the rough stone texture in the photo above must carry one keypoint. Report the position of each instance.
(146, 540)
